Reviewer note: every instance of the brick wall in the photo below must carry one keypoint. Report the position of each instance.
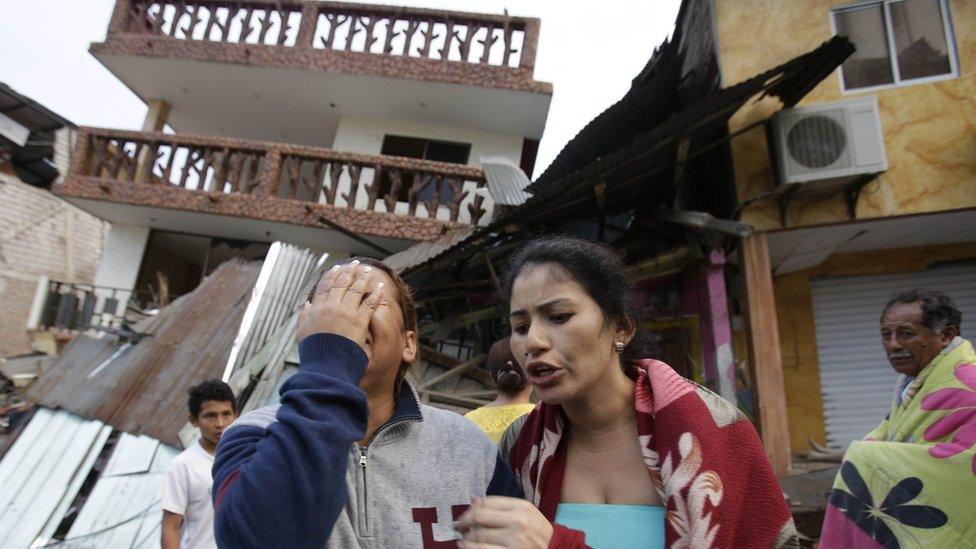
(40, 234)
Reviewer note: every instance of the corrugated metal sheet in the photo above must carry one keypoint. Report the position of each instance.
(856, 380)
(506, 181)
(277, 295)
(124, 509)
(142, 388)
(42, 472)
(285, 282)
(422, 252)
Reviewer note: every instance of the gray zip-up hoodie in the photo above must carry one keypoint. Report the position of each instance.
(293, 475)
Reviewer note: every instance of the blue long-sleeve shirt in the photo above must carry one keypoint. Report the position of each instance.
(293, 475)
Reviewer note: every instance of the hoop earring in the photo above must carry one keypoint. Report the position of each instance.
(619, 346)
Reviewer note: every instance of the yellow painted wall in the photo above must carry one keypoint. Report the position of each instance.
(794, 310)
(801, 374)
(929, 129)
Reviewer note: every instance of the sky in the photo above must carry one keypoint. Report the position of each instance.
(590, 51)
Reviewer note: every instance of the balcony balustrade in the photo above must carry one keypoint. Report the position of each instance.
(275, 181)
(447, 36)
(68, 306)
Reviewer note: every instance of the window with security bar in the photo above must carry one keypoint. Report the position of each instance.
(899, 42)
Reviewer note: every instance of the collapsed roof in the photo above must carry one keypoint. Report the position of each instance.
(141, 387)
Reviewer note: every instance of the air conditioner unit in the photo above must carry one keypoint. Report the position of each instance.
(829, 142)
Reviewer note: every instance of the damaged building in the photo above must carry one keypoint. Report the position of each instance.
(761, 177)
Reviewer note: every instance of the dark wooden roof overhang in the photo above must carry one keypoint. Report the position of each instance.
(32, 162)
(642, 173)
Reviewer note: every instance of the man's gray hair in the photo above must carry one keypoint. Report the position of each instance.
(938, 310)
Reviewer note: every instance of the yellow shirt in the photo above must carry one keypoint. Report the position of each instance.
(493, 420)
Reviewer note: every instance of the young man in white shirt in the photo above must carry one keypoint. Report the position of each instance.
(187, 509)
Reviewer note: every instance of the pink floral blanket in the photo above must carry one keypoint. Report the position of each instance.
(703, 456)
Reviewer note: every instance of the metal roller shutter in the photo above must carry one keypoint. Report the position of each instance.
(856, 381)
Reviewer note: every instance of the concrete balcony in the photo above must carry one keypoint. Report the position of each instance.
(262, 191)
(221, 64)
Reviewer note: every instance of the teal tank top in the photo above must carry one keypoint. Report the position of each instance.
(612, 526)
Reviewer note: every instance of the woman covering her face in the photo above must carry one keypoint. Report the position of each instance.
(351, 458)
(623, 452)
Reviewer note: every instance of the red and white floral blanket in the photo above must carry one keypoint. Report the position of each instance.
(703, 456)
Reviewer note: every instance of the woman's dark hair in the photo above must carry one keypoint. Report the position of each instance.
(504, 369)
(602, 275)
(212, 389)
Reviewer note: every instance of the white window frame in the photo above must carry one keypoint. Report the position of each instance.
(892, 53)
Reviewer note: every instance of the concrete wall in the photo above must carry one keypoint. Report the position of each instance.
(365, 135)
(794, 308)
(122, 257)
(928, 128)
(40, 234)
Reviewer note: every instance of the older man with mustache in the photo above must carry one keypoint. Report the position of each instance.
(910, 481)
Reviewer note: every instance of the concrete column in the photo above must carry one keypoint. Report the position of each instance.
(157, 115)
(717, 328)
(764, 351)
(530, 43)
(120, 16)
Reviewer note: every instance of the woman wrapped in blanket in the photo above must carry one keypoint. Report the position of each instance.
(623, 452)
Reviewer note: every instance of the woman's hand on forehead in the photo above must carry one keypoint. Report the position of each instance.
(343, 303)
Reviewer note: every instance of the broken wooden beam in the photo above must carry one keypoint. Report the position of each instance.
(456, 371)
(487, 393)
(704, 221)
(431, 354)
(665, 263)
(434, 356)
(456, 400)
(464, 284)
(491, 271)
(462, 320)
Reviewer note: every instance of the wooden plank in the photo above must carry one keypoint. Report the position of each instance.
(481, 375)
(438, 298)
(765, 359)
(679, 163)
(456, 400)
(478, 374)
(445, 326)
(665, 263)
(491, 271)
(704, 221)
(463, 320)
(439, 287)
(487, 393)
(456, 371)
(433, 355)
